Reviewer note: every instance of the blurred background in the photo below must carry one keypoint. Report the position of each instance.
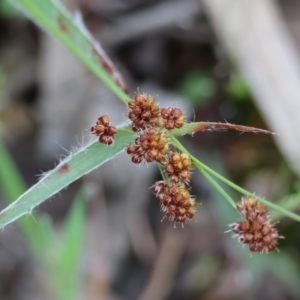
(102, 238)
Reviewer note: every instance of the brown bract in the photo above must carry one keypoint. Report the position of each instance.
(256, 231)
(105, 132)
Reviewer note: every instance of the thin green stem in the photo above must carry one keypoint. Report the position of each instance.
(163, 173)
(202, 166)
(218, 187)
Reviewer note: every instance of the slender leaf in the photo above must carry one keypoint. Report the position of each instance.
(10, 178)
(13, 186)
(73, 232)
(73, 167)
(64, 270)
(53, 17)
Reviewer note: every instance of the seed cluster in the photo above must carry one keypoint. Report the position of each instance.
(143, 111)
(150, 145)
(105, 131)
(179, 167)
(173, 117)
(256, 231)
(176, 201)
(152, 125)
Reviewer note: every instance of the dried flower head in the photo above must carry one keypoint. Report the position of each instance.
(105, 132)
(179, 167)
(257, 231)
(143, 110)
(176, 201)
(173, 117)
(150, 145)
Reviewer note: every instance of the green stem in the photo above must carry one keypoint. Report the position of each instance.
(163, 174)
(202, 166)
(218, 187)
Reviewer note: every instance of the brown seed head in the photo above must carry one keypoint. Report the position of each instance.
(143, 110)
(257, 231)
(165, 113)
(150, 145)
(179, 167)
(173, 117)
(105, 132)
(176, 201)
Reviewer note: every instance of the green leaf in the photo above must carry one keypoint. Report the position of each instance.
(7, 10)
(64, 266)
(238, 89)
(73, 232)
(280, 264)
(53, 17)
(198, 87)
(13, 186)
(11, 180)
(73, 167)
(43, 235)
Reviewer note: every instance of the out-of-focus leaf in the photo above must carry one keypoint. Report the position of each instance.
(198, 87)
(66, 254)
(7, 9)
(238, 89)
(53, 17)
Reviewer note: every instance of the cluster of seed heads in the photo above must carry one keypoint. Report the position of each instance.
(105, 131)
(152, 124)
(256, 231)
(152, 144)
(144, 111)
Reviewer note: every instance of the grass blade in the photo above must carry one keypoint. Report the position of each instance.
(65, 266)
(73, 167)
(10, 178)
(53, 17)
